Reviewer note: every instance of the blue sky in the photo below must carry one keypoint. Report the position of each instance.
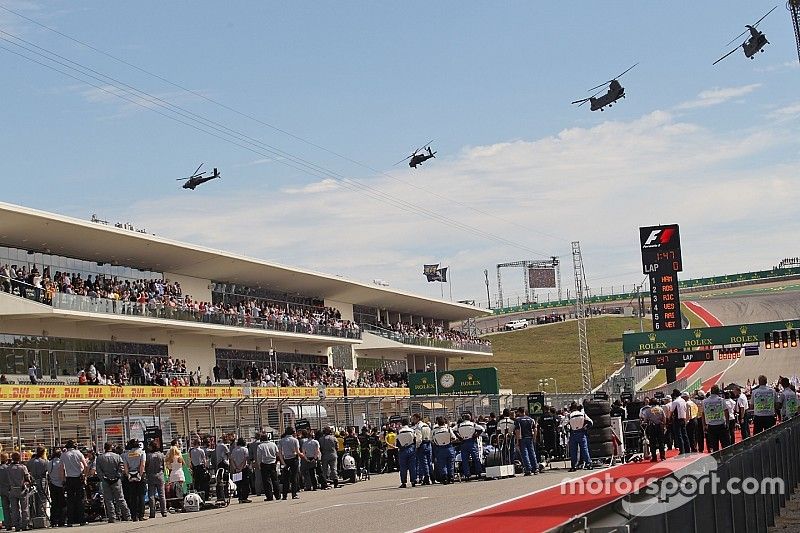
(712, 148)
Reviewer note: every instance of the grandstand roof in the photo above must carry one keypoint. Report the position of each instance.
(44, 232)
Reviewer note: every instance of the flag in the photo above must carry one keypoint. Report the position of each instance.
(442, 273)
(431, 272)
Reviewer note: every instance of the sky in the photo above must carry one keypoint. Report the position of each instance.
(305, 107)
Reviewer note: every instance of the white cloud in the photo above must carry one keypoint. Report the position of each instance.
(325, 185)
(787, 112)
(716, 96)
(596, 185)
(127, 101)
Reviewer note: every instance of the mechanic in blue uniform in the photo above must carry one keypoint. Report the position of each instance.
(469, 446)
(579, 425)
(443, 439)
(525, 431)
(424, 450)
(407, 453)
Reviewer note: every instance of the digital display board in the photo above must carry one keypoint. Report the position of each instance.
(542, 278)
(665, 301)
(661, 249)
(661, 261)
(674, 358)
(665, 366)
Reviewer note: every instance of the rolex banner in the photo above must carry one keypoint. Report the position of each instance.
(691, 339)
(468, 381)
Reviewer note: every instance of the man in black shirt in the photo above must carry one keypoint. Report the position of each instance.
(618, 410)
(363, 444)
(525, 431)
(375, 452)
(491, 425)
(351, 441)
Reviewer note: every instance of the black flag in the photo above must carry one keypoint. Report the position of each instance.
(431, 272)
(442, 272)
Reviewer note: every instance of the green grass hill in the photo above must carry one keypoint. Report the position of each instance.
(551, 351)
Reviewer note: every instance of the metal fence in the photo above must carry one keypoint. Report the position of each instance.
(26, 424)
(769, 459)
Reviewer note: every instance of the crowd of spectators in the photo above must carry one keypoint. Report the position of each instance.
(427, 331)
(288, 375)
(163, 298)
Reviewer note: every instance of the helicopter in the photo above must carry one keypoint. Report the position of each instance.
(614, 93)
(419, 156)
(197, 178)
(754, 44)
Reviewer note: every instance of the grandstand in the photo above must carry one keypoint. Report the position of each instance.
(79, 296)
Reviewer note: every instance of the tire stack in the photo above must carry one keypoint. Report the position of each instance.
(601, 437)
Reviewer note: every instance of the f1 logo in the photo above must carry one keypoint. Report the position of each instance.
(661, 236)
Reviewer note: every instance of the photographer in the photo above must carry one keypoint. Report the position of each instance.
(109, 470)
(19, 485)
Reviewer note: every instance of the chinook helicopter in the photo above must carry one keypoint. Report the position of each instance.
(754, 44)
(419, 156)
(614, 93)
(197, 178)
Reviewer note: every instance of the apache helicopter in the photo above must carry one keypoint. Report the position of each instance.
(197, 178)
(754, 44)
(419, 156)
(614, 93)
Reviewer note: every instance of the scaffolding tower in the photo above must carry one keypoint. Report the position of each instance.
(794, 8)
(581, 309)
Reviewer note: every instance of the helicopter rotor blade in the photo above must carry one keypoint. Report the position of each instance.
(405, 159)
(580, 102)
(198, 168)
(745, 32)
(181, 179)
(765, 16)
(598, 86)
(631, 68)
(726, 55)
(423, 146)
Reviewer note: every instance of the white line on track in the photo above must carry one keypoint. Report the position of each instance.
(404, 501)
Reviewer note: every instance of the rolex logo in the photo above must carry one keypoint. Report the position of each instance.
(652, 337)
(698, 333)
(469, 377)
(424, 381)
(790, 325)
(743, 330)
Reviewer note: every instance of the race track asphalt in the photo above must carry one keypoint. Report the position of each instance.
(376, 505)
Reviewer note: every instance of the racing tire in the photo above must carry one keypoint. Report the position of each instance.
(600, 435)
(601, 421)
(596, 407)
(601, 450)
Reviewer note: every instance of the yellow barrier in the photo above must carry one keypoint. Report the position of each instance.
(108, 392)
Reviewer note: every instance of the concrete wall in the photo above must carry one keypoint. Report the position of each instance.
(197, 288)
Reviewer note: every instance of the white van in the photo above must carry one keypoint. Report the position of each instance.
(516, 324)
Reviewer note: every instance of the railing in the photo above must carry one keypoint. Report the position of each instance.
(89, 304)
(28, 423)
(767, 461)
(426, 341)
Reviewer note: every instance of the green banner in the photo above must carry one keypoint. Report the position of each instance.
(687, 339)
(467, 381)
